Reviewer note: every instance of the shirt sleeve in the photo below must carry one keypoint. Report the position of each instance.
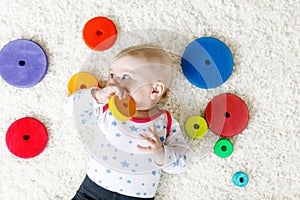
(68, 106)
(177, 152)
(69, 102)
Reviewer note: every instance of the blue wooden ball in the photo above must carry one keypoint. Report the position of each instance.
(207, 62)
(240, 179)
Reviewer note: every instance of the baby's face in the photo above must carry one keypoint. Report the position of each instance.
(137, 76)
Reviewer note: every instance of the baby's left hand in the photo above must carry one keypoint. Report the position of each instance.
(155, 146)
(154, 143)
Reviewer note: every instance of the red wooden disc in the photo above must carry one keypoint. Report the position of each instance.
(99, 33)
(26, 137)
(227, 115)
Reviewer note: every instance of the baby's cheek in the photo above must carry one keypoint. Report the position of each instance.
(141, 96)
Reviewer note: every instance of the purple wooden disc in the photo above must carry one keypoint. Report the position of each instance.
(23, 63)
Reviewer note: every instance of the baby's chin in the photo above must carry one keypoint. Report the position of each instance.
(143, 107)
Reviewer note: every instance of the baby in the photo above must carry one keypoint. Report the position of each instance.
(144, 73)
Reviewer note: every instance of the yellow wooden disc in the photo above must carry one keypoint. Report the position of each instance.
(122, 109)
(82, 80)
(195, 126)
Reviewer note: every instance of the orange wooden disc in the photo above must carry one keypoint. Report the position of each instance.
(82, 80)
(122, 109)
(99, 33)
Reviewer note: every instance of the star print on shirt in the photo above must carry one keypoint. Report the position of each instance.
(154, 173)
(105, 157)
(114, 123)
(176, 163)
(118, 135)
(162, 138)
(133, 128)
(125, 164)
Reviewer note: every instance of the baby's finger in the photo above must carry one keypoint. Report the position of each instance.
(124, 94)
(150, 140)
(115, 90)
(153, 132)
(146, 149)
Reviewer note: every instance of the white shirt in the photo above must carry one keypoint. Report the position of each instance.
(119, 165)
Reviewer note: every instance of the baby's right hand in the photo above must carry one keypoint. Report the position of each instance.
(102, 95)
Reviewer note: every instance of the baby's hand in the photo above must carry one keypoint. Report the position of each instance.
(102, 95)
(154, 143)
(155, 146)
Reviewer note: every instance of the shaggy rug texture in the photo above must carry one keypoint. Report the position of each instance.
(264, 37)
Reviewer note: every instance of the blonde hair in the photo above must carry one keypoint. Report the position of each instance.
(152, 54)
(147, 51)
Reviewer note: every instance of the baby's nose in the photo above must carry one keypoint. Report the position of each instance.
(113, 81)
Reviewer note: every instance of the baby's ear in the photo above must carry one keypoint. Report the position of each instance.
(157, 90)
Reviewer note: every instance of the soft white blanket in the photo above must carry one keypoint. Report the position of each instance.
(264, 37)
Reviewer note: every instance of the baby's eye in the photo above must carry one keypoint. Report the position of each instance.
(126, 77)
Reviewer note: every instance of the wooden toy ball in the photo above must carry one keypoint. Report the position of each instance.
(223, 148)
(82, 80)
(99, 33)
(195, 126)
(122, 109)
(26, 137)
(227, 115)
(23, 63)
(240, 179)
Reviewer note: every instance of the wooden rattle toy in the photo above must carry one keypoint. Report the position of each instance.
(26, 137)
(227, 115)
(223, 148)
(23, 63)
(82, 80)
(99, 33)
(195, 126)
(207, 62)
(240, 179)
(122, 109)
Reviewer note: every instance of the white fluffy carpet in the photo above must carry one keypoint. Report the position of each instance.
(264, 37)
